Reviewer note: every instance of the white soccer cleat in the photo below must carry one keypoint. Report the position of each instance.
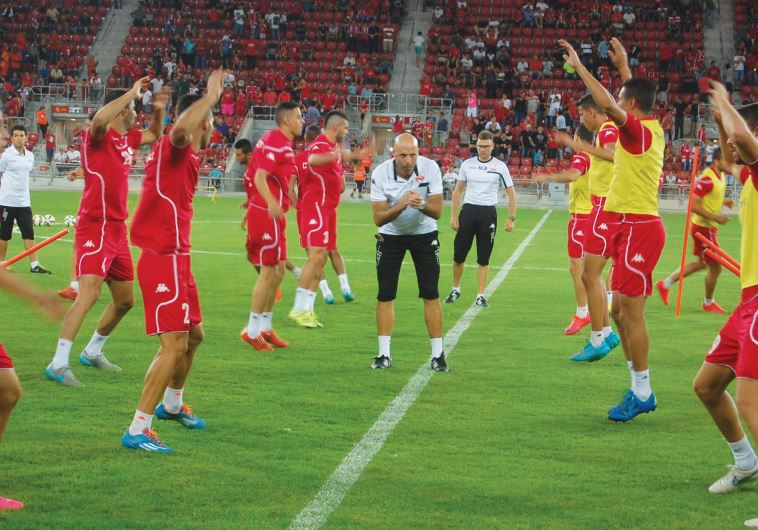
(735, 476)
(753, 523)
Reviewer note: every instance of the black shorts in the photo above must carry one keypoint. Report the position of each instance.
(22, 215)
(425, 251)
(359, 185)
(480, 222)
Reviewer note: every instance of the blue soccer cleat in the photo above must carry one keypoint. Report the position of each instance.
(612, 340)
(329, 299)
(348, 296)
(184, 416)
(147, 441)
(631, 406)
(590, 353)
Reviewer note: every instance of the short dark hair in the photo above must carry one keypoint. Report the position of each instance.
(334, 114)
(717, 154)
(91, 115)
(485, 135)
(283, 108)
(113, 95)
(18, 127)
(311, 133)
(245, 145)
(584, 134)
(587, 101)
(642, 91)
(186, 102)
(750, 114)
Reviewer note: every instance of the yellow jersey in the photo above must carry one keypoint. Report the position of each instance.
(712, 200)
(749, 222)
(579, 192)
(601, 171)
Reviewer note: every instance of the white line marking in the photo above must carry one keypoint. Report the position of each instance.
(330, 496)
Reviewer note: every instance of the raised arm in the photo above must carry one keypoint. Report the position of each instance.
(188, 121)
(735, 127)
(155, 131)
(108, 113)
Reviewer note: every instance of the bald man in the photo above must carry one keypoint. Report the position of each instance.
(406, 201)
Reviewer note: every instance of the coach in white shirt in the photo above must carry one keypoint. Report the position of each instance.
(479, 181)
(16, 163)
(406, 201)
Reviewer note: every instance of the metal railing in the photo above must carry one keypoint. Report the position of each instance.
(63, 93)
(403, 103)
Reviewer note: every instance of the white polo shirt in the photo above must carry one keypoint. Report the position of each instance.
(386, 185)
(483, 180)
(14, 183)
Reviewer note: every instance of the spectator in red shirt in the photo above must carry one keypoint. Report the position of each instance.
(397, 126)
(269, 97)
(251, 54)
(328, 100)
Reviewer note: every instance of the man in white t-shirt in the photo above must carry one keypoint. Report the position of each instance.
(16, 163)
(418, 44)
(406, 202)
(739, 69)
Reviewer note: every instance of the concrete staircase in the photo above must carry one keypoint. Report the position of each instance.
(111, 37)
(719, 40)
(406, 77)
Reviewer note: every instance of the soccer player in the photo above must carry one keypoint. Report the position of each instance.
(406, 202)
(319, 196)
(16, 164)
(161, 229)
(706, 217)
(10, 388)
(102, 248)
(479, 182)
(631, 215)
(734, 354)
(580, 206)
(268, 185)
(597, 235)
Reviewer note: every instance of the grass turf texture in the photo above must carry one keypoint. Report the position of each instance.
(516, 436)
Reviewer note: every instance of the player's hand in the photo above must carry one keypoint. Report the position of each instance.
(275, 210)
(138, 85)
(718, 93)
(75, 174)
(50, 306)
(454, 224)
(160, 100)
(564, 139)
(617, 53)
(416, 200)
(721, 219)
(570, 56)
(243, 222)
(509, 225)
(540, 176)
(729, 203)
(716, 114)
(405, 200)
(215, 84)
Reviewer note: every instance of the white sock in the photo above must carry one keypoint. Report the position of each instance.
(596, 338)
(140, 422)
(457, 289)
(95, 345)
(62, 353)
(436, 347)
(384, 345)
(35, 264)
(668, 282)
(607, 330)
(299, 300)
(297, 271)
(744, 456)
(172, 400)
(310, 299)
(642, 384)
(324, 286)
(254, 325)
(74, 285)
(480, 294)
(630, 364)
(707, 301)
(266, 319)
(344, 284)
(582, 311)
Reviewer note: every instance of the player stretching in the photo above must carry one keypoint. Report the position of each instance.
(161, 228)
(706, 217)
(630, 213)
(267, 182)
(101, 244)
(580, 206)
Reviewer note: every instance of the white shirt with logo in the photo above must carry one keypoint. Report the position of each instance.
(484, 180)
(14, 183)
(386, 185)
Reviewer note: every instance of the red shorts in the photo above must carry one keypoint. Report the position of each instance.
(637, 245)
(169, 293)
(266, 237)
(599, 230)
(736, 345)
(576, 229)
(318, 226)
(698, 248)
(102, 249)
(5, 359)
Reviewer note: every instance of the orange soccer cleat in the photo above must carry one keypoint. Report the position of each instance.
(713, 307)
(272, 338)
(278, 294)
(663, 291)
(576, 325)
(68, 292)
(258, 343)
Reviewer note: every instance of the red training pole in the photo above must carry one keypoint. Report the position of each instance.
(718, 250)
(35, 248)
(734, 269)
(680, 289)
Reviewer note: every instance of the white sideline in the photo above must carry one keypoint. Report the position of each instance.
(330, 496)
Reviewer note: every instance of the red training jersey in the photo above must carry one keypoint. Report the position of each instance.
(106, 164)
(163, 220)
(302, 171)
(325, 182)
(273, 154)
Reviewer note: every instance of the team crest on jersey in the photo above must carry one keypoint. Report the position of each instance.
(420, 178)
(161, 288)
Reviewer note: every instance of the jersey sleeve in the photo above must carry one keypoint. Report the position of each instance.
(703, 186)
(581, 163)
(4, 161)
(264, 157)
(435, 179)
(134, 138)
(462, 173)
(175, 154)
(607, 136)
(377, 189)
(505, 179)
(634, 137)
